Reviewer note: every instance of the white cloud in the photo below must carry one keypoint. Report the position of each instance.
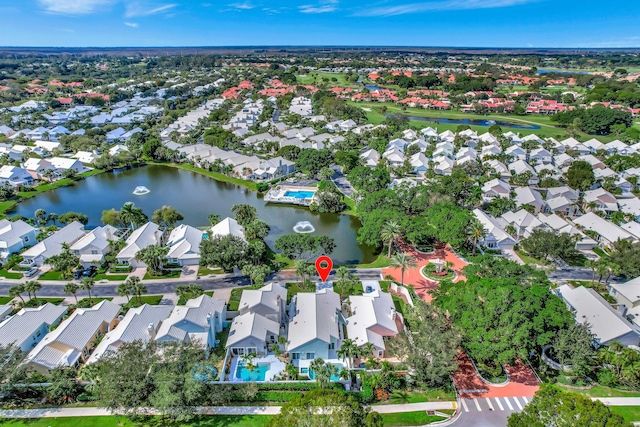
(323, 7)
(137, 8)
(132, 24)
(242, 6)
(439, 5)
(74, 7)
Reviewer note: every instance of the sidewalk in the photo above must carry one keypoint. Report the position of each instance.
(211, 410)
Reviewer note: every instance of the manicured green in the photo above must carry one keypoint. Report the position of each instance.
(170, 274)
(51, 275)
(381, 262)
(215, 175)
(601, 253)
(629, 413)
(309, 79)
(528, 259)
(111, 277)
(436, 395)
(295, 287)
(206, 271)
(113, 421)
(417, 418)
(10, 275)
(602, 391)
(428, 270)
(5, 300)
(145, 299)
(86, 303)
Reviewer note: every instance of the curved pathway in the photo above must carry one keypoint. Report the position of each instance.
(413, 277)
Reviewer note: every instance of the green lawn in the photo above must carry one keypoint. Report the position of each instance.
(629, 413)
(236, 294)
(5, 300)
(111, 277)
(424, 396)
(602, 391)
(10, 275)
(113, 421)
(309, 79)
(217, 176)
(381, 262)
(296, 287)
(145, 299)
(528, 259)
(417, 418)
(598, 250)
(86, 302)
(206, 271)
(170, 274)
(51, 275)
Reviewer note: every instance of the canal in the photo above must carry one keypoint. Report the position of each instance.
(195, 196)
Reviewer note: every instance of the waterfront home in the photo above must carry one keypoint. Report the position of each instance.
(14, 236)
(315, 328)
(28, 327)
(373, 317)
(37, 167)
(226, 227)
(86, 156)
(63, 163)
(73, 340)
(15, 176)
(496, 237)
(197, 321)
(139, 324)
(93, 246)
(38, 254)
(147, 235)
(605, 323)
(273, 168)
(184, 245)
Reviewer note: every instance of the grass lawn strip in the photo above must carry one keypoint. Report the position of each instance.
(629, 413)
(417, 418)
(114, 421)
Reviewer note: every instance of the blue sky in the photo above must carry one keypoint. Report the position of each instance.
(480, 23)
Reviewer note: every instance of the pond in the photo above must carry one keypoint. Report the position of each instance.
(474, 122)
(195, 196)
(561, 72)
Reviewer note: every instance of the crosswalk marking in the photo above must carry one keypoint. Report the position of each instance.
(499, 404)
(518, 403)
(525, 399)
(489, 403)
(464, 405)
(506, 400)
(477, 405)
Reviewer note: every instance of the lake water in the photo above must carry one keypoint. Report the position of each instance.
(475, 122)
(561, 72)
(195, 196)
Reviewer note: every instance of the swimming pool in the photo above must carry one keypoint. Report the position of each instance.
(258, 373)
(299, 194)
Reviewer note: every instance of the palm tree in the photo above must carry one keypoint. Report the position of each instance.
(132, 215)
(390, 232)
(16, 291)
(213, 219)
(591, 264)
(602, 269)
(53, 217)
(124, 289)
(368, 349)
(72, 288)
(33, 286)
(476, 232)
(403, 261)
(347, 351)
(41, 216)
(137, 287)
(86, 284)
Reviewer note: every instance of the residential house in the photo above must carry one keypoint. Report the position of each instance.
(496, 237)
(605, 323)
(315, 329)
(87, 157)
(601, 200)
(29, 326)
(226, 227)
(373, 317)
(607, 232)
(147, 235)
(139, 324)
(184, 245)
(73, 340)
(371, 158)
(15, 176)
(630, 206)
(15, 236)
(523, 222)
(199, 320)
(274, 168)
(38, 254)
(499, 168)
(495, 188)
(559, 225)
(93, 246)
(528, 196)
(521, 167)
(627, 296)
(540, 155)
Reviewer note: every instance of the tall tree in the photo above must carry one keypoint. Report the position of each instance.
(389, 233)
(33, 286)
(87, 283)
(245, 214)
(404, 262)
(65, 262)
(133, 216)
(153, 256)
(166, 216)
(72, 289)
(16, 291)
(225, 252)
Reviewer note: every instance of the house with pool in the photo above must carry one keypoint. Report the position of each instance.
(292, 195)
(315, 328)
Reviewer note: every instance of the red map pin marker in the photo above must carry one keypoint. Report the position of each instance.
(323, 272)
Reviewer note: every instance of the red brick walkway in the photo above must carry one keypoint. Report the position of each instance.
(413, 277)
(522, 382)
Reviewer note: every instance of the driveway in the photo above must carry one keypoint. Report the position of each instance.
(340, 180)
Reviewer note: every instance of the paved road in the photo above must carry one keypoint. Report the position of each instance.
(573, 273)
(157, 287)
(488, 412)
(341, 181)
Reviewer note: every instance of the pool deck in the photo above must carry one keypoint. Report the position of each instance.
(277, 195)
(276, 367)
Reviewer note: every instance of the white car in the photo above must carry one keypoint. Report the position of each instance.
(31, 272)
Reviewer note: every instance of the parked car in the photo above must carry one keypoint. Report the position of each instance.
(31, 272)
(87, 272)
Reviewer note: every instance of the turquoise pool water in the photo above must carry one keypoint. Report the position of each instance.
(258, 373)
(299, 194)
(336, 377)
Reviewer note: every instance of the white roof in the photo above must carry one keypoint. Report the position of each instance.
(184, 318)
(139, 323)
(99, 237)
(606, 229)
(605, 322)
(633, 228)
(184, 242)
(12, 233)
(20, 327)
(147, 235)
(251, 325)
(630, 289)
(493, 227)
(228, 226)
(268, 296)
(64, 345)
(52, 245)
(315, 318)
(373, 318)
